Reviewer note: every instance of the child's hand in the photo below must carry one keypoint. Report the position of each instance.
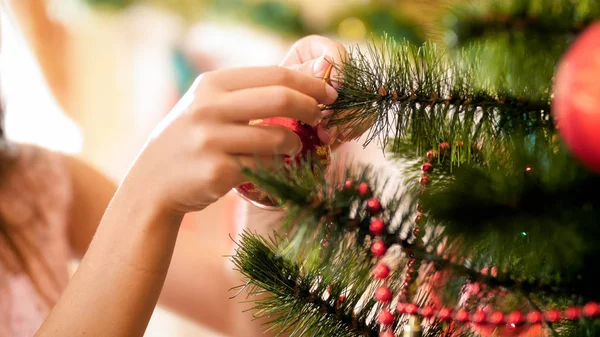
(193, 157)
(313, 55)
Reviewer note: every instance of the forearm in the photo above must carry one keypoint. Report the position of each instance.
(116, 287)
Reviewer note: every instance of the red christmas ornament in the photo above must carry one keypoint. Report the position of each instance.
(377, 227)
(431, 154)
(374, 206)
(386, 317)
(363, 189)
(378, 248)
(535, 317)
(427, 167)
(401, 307)
(386, 334)
(425, 181)
(576, 102)
(591, 309)
(383, 294)
(320, 155)
(381, 271)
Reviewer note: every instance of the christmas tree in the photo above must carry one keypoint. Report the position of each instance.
(494, 231)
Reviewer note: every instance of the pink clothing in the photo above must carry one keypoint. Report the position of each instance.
(35, 196)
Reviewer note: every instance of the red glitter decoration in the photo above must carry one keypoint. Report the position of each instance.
(378, 248)
(381, 271)
(386, 317)
(377, 227)
(374, 206)
(427, 167)
(383, 294)
(591, 309)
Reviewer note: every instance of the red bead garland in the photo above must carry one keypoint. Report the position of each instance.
(378, 248)
(386, 317)
(381, 271)
(374, 206)
(383, 294)
(377, 227)
(363, 189)
(591, 309)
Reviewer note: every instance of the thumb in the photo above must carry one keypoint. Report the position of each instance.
(320, 67)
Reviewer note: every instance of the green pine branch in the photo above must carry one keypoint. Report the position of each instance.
(429, 96)
(529, 20)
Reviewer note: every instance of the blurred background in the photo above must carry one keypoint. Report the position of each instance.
(114, 68)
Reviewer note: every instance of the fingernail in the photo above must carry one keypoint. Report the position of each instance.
(320, 65)
(332, 94)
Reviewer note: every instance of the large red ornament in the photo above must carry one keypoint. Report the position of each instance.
(576, 102)
(312, 147)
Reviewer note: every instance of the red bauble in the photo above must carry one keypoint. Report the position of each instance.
(377, 227)
(383, 294)
(576, 102)
(425, 181)
(497, 318)
(515, 317)
(553, 316)
(411, 309)
(591, 309)
(572, 313)
(427, 311)
(378, 248)
(427, 167)
(535, 317)
(386, 317)
(462, 315)
(445, 314)
(363, 189)
(312, 147)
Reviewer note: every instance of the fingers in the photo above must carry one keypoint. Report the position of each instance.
(244, 78)
(249, 140)
(265, 102)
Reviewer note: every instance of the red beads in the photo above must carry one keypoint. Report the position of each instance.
(444, 146)
(363, 189)
(349, 184)
(411, 309)
(591, 309)
(383, 294)
(374, 206)
(378, 248)
(431, 154)
(515, 317)
(535, 317)
(427, 167)
(381, 271)
(377, 227)
(553, 316)
(386, 317)
(425, 181)
(401, 307)
(462, 315)
(572, 313)
(497, 318)
(445, 314)
(479, 317)
(427, 311)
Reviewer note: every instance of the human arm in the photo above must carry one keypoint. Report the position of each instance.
(192, 159)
